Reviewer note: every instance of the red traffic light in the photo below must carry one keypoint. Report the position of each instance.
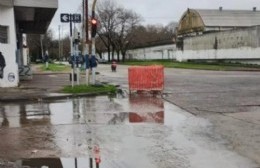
(93, 27)
(93, 21)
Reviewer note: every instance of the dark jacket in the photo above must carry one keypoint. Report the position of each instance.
(2, 61)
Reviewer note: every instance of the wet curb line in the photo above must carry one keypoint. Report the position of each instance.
(48, 97)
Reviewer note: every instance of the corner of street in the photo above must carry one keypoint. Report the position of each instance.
(228, 104)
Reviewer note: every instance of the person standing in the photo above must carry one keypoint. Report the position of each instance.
(46, 59)
(2, 65)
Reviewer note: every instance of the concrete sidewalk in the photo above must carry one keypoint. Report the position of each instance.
(42, 86)
(45, 84)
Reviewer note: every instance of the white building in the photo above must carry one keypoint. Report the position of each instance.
(18, 17)
(232, 35)
(165, 51)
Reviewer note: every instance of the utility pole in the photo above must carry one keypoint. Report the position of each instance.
(71, 53)
(61, 53)
(86, 48)
(59, 44)
(93, 48)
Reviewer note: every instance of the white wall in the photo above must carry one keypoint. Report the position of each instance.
(11, 76)
(237, 38)
(149, 53)
(243, 53)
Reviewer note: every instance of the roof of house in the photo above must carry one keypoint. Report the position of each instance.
(207, 20)
(229, 18)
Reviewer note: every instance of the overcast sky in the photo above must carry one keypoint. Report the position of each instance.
(156, 11)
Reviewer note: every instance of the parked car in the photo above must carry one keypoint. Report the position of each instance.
(102, 61)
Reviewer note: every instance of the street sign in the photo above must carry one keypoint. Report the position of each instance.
(76, 18)
(71, 18)
(65, 17)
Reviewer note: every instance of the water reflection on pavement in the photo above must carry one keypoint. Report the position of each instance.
(97, 110)
(132, 132)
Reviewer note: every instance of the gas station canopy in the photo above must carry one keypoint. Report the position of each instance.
(32, 16)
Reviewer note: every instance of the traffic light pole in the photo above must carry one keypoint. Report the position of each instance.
(93, 54)
(71, 53)
(77, 61)
(93, 34)
(86, 47)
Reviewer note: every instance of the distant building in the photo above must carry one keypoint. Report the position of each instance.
(154, 50)
(18, 17)
(219, 35)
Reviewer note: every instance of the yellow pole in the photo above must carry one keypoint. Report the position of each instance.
(94, 5)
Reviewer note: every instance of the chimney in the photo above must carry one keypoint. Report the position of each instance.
(254, 9)
(220, 8)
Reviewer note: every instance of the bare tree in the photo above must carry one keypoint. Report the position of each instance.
(116, 27)
(107, 12)
(128, 21)
(34, 44)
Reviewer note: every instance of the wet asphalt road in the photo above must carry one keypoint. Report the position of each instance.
(142, 131)
(229, 99)
(130, 132)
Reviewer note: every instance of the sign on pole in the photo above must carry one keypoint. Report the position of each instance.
(76, 18)
(65, 17)
(71, 18)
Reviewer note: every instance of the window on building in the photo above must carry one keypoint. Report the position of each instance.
(3, 34)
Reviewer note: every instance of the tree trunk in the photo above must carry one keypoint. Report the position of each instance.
(118, 55)
(108, 50)
(113, 52)
(123, 55)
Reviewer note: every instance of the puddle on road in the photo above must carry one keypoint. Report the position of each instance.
(96, 110)
(126, 129)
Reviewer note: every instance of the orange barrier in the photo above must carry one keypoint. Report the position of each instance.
(146, 78)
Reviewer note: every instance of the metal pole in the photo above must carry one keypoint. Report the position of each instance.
(62, 43)
(71, 53)
(59, 44)
(90, 162)
(41, 37)
(76, 53)
(93, 53)
(76, 163)
(86, 49)
(86, 16)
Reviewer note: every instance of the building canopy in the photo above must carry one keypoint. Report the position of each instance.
(32, 16)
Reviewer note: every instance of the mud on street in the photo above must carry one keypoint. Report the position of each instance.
(206, 129)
